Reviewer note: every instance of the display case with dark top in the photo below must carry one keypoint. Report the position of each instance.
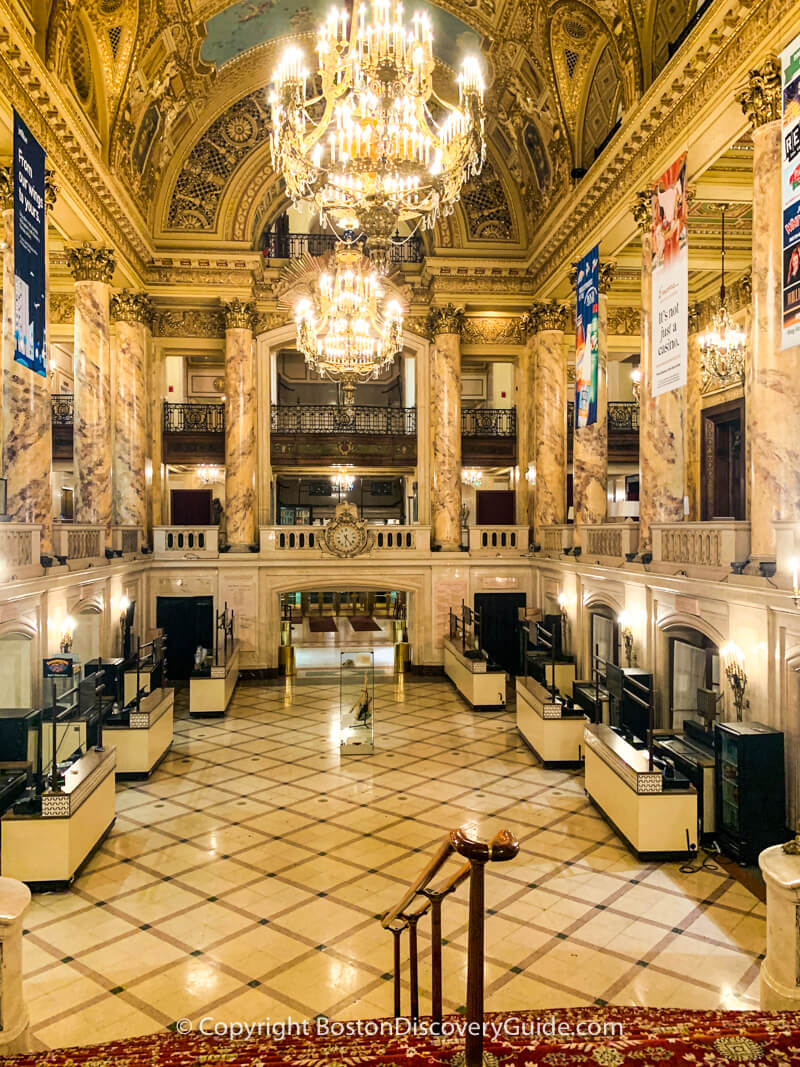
(751, 812)
(630, 694)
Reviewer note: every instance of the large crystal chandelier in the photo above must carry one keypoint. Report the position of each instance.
(342, 331)
(723, 346)
(376, 145)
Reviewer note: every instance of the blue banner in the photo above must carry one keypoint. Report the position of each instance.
(29, 250)
(587, 287)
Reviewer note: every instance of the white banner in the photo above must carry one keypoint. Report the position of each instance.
(670, 281)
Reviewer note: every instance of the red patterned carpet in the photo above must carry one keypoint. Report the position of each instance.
(644, 1038)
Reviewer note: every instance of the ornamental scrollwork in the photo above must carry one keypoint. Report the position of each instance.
(642, 209)
(492, 331)
(90, 264)
(761, 97)
(6, 189)
(191, 322)
(62, 307)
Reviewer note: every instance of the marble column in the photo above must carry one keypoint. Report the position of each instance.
(550, 417)
(590, 443)
(772, 383)
(693, 416)
(26, 439)
(661, 419)
(156, 387)
(133, 314)
(526, 457)
(444, 327)
(92, 268)
(240, 425)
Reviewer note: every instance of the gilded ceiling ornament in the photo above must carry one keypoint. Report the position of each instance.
(761, 97)
(239, 314)
(642, 209)
(131, 307)
(608, 272)
(90, 264)
(6, 189)
(550, 316)
(447, 319)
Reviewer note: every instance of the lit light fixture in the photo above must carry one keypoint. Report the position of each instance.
(472, 476)
(636, 384)
(530, 474)
(794, 566)
(625, 621)
(366, 151)
(722, 348)
(209, 475)
(342, 482)
(342, 332)
(735, 673)
(67, 630)
(124, 604)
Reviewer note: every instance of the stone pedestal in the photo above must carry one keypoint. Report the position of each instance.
(780, 971)
(133, 314)
(14, 900)
(445, 325)
(550, 418)
(92, 269)
(240, 426)
(772, 388)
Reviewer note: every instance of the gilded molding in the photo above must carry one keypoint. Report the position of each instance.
(447, 319)
(191, 322)
(642, 209)
(270, 320)
(624, 321)
(239, 314)
(490, 330)
(761, 97)
(553, 316)
(131, 307)
(608, 272)
(6, 189)
(90, 264)
(62, 307)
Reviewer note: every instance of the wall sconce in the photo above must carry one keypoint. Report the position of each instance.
(124, 604)
(625, 621)
(563, 602)
(67, 628)
(530, 474)
(737, 678)
(794, 566)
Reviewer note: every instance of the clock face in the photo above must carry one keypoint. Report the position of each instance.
(346, 539)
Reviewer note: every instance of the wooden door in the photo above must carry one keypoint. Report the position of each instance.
(723, 463)
(190, 507)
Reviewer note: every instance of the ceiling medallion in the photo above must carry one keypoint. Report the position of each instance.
(342, 330)
(367, 151)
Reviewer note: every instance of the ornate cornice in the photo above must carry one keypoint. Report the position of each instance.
(447, 319)
(608, 271)
(239, 314)
(131, 307)
(642, 208)
(6, 188)
(90, 264)
(761, 97)
(552, 316)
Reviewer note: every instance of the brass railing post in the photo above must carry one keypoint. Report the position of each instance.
(413, 965)
(398, 1008)
(475, 949)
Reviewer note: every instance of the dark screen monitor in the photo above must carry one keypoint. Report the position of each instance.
(707, 703)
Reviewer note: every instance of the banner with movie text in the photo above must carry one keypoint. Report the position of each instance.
(29, 250)
(790, 192)
(669, 246)
(586, 339)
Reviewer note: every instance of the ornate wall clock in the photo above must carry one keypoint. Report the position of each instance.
(346, 535)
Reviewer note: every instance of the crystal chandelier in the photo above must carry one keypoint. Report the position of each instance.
(343, 482)
(366, 150)
(209, 475)
(341, 330)
(722, 348)
(472, 476)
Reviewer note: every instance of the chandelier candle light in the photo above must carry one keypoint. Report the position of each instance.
(367, 152)
(722, 348)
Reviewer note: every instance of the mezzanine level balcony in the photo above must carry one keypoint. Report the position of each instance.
(488, 437)
(623, 430)
(312, 434)
(294, 245)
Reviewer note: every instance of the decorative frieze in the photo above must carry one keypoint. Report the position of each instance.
(62, 307)
(239, 314)
(761, 97)
(6, 189)
(270, 320)
(90, 264)
(190, 322)
(624, 321)
(131, 307)
(447, 319)
(488, 330)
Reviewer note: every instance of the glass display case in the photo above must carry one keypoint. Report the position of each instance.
(356, 702)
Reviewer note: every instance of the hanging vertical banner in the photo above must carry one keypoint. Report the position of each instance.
(587, 286)
(29, 250)
(670, 280)
(790, 193)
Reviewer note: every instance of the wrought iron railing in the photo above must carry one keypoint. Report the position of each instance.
(489, 422)
(623, 416)
(194, 418)
(62, 410)
(352, 418)
(294, 245)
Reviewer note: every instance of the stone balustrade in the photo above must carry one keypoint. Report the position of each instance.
(499, 540)
(186, 542)
(611, 540)
(19, 551)
(309, 540)
(78, 541)
(126, 539)
(713, 545)
(787, 550)
(557, 538)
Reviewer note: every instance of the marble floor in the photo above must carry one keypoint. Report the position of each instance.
(243, 881)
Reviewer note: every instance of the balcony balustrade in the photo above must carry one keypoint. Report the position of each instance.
(186, 542)
(62, 416)
(314, 434)
(488, 437)
(613, 540)
(623, 430)
(194, 433)
(554, 539)
(79, 541)
(19, 551)
(361, 419)
(498, 540)
(309, 540)
(706, 545)
(126, 539)
(295, 245)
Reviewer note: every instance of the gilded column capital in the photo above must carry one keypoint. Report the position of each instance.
(761, 97)
(50, 190)
(573, 275)
(239, 314)
(447, 319)
(551, 316)
(608, 272)
(6, 188)
(131, 307)
(642, 208)
(90, 264)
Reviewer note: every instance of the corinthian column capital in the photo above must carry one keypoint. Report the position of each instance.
(642, 208)
(608, 272)
(6, 188)
(447, 319)
(90, 264)
(761, 97)
(552, 316)
(131, 307)
(239, 314)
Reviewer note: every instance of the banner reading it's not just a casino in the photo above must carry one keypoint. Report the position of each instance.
(29, 250)
(670, 280)
(790, 186)
(586, 341)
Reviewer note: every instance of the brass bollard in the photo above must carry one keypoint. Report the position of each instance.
(401, 657)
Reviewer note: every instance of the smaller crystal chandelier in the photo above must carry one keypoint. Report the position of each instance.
(342, 482)
(342, 331)
(722, 348)
(209, 475)
(472, 476)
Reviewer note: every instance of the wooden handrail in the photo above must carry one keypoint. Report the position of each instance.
(502, 847)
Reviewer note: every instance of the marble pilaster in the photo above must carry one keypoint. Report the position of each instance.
(132, 313)
(772, 386)
(26, 439)
(92, 269)
(550, 417)
(693, 417)
(661, 419)
(240, 425)
(590, 443)
(445, 326)
(526, 457)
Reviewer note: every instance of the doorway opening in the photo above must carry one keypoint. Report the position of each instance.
(500, 616)
(694, 675)
(723, 444)
(188, 622)
(323, 623)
